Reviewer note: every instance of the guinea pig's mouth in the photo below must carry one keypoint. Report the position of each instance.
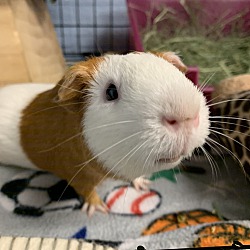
(168, 160)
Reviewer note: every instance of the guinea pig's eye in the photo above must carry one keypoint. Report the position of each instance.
(111, 93)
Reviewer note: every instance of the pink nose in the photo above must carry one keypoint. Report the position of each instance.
(172, 122)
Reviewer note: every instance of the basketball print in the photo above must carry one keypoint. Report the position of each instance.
(173, 221)
(222, 234)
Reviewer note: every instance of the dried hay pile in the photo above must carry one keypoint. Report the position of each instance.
(217, 56)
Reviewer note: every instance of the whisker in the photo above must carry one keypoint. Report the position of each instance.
(82, 165)
(230, 117)
(213, 99)
(130, 154)
(238, 132)
(61, 143)
(230, 139)
(229, 100)
(230, 123)
(147, 163)
(111, 124)
(105, 150)
(159, 148)
(112, 169)
(126, 192)
(179, 167)
(86, 93)
(217, 151)
(214, 173)
(144, 164)
(230, 152)
(206, 81)
(54, 107)
(215, 166)
(133, 152)
(193, 155)
(205, 153)
(196, 154)
(98, 127)
(76, 90)
(141, 155)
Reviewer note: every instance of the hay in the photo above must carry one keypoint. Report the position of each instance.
(216, 56)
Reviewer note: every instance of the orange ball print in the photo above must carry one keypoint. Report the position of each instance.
(222, 234)
(169, 222)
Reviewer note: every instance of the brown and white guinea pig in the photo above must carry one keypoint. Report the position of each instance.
(115, 115)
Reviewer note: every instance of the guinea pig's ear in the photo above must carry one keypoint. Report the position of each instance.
(172, 58)
(76, 79)
(73, 83)
(73, 87)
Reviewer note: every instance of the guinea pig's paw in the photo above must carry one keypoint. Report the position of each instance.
(94, 203)
(141, 183)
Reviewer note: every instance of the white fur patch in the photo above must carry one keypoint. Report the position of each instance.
(13, 99)
(148, 88)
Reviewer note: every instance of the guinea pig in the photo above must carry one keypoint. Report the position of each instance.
(121, 116)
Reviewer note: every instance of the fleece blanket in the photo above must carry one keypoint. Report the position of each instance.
(193, 206)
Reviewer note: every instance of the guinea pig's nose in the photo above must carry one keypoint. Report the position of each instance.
(170, 121)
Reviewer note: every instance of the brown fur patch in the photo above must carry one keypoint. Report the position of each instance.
(77, 78)
(51, 135)
(171, 57)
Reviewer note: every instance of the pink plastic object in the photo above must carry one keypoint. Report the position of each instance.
(210, 11)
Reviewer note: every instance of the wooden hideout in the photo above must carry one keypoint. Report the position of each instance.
(29, 49)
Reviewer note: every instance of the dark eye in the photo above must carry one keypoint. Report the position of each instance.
(111, 93)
